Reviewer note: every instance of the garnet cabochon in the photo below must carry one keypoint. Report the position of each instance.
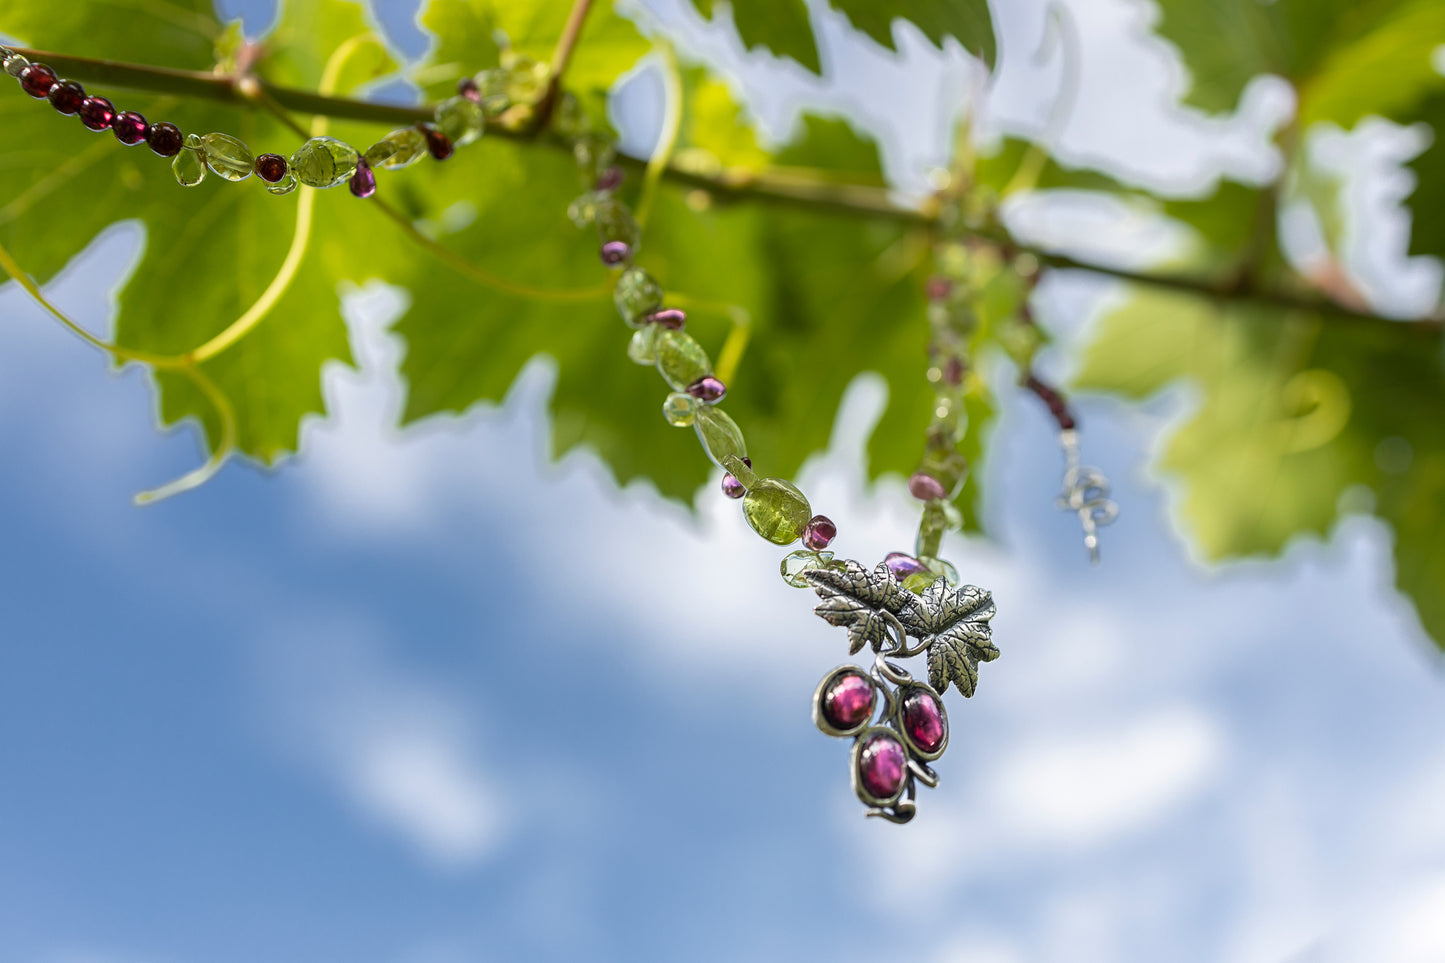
(882, 765)
(848, 701)
(924, 721)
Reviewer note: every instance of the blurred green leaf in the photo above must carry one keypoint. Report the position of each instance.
(1292, 414)
(1346, 58)
(967, 21)
(780, 26)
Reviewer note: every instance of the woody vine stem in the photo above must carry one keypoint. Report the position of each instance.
(791, 187)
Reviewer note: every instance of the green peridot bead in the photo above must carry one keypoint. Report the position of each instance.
(803, 560)
(492, 84)
(324, 162)
(637, 295)
(678, 409)
(740, 470)
(461, 119)
(594, 154)
(935, 569)
(569, 120)
(227, 156)
(615, 223)
(949, 467)
(583, 210)
(930, 529)
(680, 359)
(643, 346)
(285, 185)
(776, 510)
(189, 166)
(526, 76)
(719, 434)
(400, 148)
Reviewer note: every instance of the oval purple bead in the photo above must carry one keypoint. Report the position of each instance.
(848, 701)
(36, 80)
(707, 389)
(673, 318)
(881, 766)
(96, 113)
(731, 487)
(271, 167)
(902, 565)
(165, 139)
(130, 127)
(610, 179)
(925, 487)
(363, 182)
(439, 145)
(938, 288)
(819, 533)
(468, 88)
(67, 96)
(614, 253)
(923, 720)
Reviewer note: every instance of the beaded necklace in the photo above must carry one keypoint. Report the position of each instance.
(909, 604)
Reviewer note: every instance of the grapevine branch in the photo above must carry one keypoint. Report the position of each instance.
(740, 185)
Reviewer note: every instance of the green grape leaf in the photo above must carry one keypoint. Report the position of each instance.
(967, 21)
(780, 26)
(210, 251)
(1296, 414)
(1346, 58)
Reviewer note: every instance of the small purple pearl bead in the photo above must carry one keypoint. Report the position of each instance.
(615, 252)
(130, 127)
(271, 167)
(363, 182)
(731, 487)
(673, 318)
(66, 97)
(96, 113)
(938, 288)
(36, 80)
(819, 532)
(610, 179)
(925, 487)
(707, 389)
(902, 565)
(468, 88)
(165, 139)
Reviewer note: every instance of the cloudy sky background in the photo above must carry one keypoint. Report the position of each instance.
(425, 698)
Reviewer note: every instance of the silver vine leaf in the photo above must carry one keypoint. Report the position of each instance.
(857, 598)
(954, 623)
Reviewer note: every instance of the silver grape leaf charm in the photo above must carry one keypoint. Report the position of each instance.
(953, 622)
(857, 598)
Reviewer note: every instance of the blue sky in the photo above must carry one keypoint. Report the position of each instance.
(424, 698)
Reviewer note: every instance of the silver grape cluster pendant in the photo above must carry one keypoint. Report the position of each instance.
(894, 742)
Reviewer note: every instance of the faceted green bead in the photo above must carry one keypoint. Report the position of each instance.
(285, 185)
(400, 148)
(935, 569)
(637, 295)
(680, 359)
(930, 529)
(643, 346)
(527, 77)
(776, 510)
(569, 120)
(740, 470)
(15, 63)
(594, 154)
(803, 560)
(948, 466)
(189, 166)
(615, 223)
(227, 156)
(678, 409)
(583, 210)
(719, 434)
(493, 87)
(461, 120)
(324, 162)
